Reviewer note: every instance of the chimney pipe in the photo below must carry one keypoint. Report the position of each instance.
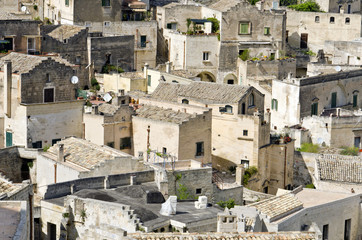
(60, 152)
(7, 87)
(168, 67)
(145, 70)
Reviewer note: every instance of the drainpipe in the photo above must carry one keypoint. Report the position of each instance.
(55, 173)
(148, 142)
(285, 165)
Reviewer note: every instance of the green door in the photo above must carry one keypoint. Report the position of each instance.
(334, 100)
(9, 139)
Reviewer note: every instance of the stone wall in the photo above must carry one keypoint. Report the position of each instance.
(20, 218)
(235, 193)
(304, 168)
(66, 188)
(250, 196)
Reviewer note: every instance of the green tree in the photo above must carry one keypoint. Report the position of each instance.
(308, 6)
(215, 24)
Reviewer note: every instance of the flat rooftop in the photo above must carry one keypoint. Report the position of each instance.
(135, 197)
(313, 197)
(9, 219)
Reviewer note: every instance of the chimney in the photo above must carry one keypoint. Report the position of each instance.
(341, 10)
(7, 87)
(95, 110)
(145, 70)
(60, 152)
(168, 67)
(290, 75)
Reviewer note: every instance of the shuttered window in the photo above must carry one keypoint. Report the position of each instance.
(244, 28)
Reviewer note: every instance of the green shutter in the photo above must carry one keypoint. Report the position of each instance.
(276, 105)
(266, 31)
(314, 109)
(149, 80)
(334, 100)
(9, 139)
(354, 100)
(244, 28)
(272, 104)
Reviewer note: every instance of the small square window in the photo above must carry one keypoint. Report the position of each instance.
(316, 19)
(244, 28)
(348, 20)
(245, 132)
(107, 24)
(266, 30)
(205, 56)
(106, 3)
(164, 150)
(67, 3)
(198, 191)
(331, 20)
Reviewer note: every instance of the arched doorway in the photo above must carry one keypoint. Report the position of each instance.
(206, 77)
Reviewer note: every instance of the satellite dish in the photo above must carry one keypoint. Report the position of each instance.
(23, 8)
(74, 80)
(338, 68)
(107, 97)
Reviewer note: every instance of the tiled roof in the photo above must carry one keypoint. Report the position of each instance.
(279, 206)
(23, 63)
(160, 3)
(7, 186)
(222, 236)
(224, 5)
(84, 153)
(162, 114)
(201, 91)
(9, 16)
(340, 168)
(65, 32)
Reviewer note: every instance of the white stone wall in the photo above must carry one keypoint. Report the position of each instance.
(169, 77)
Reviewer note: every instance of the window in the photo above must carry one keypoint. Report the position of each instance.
(164, 150)
(334, 100)
(274, 104)
(37, 144)
(148, 80)
(125, 143)
(107, 24)
(77, 60)
(106, 3)
(355, 97)
(88, 24)
(54, 141)
(357, 142)
(65, 41)
(316, 19)
(325, 232)
(143, 41)
(347, 229)
(230, 81)
(228, 109)
(331, 20)
(245, 163)
(314, 109)
(48, 95)
(244, 28)
(52, 231)
(339, 8)
(348, 20)
(47, 78)
(172, 26)
(205, 56)
(245, 132)
(110, 144)
(9, 139)
(286, 36)
(243, 108)
(349, 8)
(251, 100)
(67, 3)
(265, 190)
(185, 101)
(200, 149)
(198, 190)
(266, 30)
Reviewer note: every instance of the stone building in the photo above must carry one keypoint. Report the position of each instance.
(74, 158)
(39, 103)
(172, 130)
(334, 215)
(257, 32)
(342, 53)
(18, 34)
(294, 100)
(110, 125)
(333, 6)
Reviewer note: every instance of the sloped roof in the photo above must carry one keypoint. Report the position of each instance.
(7, 186)
(279, 206)
(224, 5)
(23, 63)
(65, 32)
(84, 153)
(162, 114)
(107, 108)
(201, 91)
(340, 168)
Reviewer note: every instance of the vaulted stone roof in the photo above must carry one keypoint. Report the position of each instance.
(23, 63)
(201, 91)
(277, 207)
(340, 168)
(162, 114)
(65, 32)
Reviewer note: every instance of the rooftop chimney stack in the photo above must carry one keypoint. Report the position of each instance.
(168, 67)
(145, 70)
(60, 152)
(7, 87)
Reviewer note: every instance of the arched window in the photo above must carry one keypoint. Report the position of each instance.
(185, 101)
(348, 20)
(355, 98)
(228, 109)
(317, 19)
(274, 104)
(251, 100)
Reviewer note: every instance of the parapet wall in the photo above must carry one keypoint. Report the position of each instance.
(103, 182)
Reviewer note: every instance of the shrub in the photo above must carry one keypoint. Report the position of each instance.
(311, 185)
(248, 173)
(309, 147)
(215, 24)
(244, 55)
(253, 2)
(308, 6)
(351, 151)
(182, 192)
(45, 148)
(229, 203)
